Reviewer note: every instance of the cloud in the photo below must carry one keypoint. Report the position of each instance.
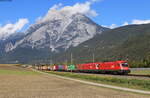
(10, 28)
(125, 23)
(56, 6)
(57, 10)
(135, 22)
(84, 8)
(140, 21)
(112, 26)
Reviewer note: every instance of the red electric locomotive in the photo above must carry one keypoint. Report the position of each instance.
(116, 67)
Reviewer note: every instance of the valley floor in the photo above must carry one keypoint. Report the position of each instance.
(16, 82)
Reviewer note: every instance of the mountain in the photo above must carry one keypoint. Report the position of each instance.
(10, 39)
(128, 43)
(53, 35)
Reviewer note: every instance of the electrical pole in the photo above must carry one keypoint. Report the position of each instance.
(66, 62)
(51, 62)
(93, 57)
(71, 59)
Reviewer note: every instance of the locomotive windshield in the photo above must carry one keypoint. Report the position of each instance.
(125, 64)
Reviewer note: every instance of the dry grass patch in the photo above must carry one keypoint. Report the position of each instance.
(141, 72)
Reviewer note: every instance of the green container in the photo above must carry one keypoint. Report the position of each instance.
(71, 67)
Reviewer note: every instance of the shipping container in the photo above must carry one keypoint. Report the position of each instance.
(71, 67)
(56, 67)
(51, 67)
(66, 67)
(48, 68)
(44, 67)
(60, 67)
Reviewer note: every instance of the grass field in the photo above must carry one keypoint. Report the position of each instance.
(14, 70)
(10, 64)
(123, 82)
(141, 72)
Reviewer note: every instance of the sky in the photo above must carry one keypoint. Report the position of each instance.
(18, 15)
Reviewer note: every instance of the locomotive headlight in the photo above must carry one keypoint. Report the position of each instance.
(113, 66)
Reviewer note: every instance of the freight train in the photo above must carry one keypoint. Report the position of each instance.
(115, 67)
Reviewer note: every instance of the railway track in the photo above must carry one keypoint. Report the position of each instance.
(136, 75)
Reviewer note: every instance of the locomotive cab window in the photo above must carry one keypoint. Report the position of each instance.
(125, 64)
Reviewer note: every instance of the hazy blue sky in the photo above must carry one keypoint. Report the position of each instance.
(108, 12)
